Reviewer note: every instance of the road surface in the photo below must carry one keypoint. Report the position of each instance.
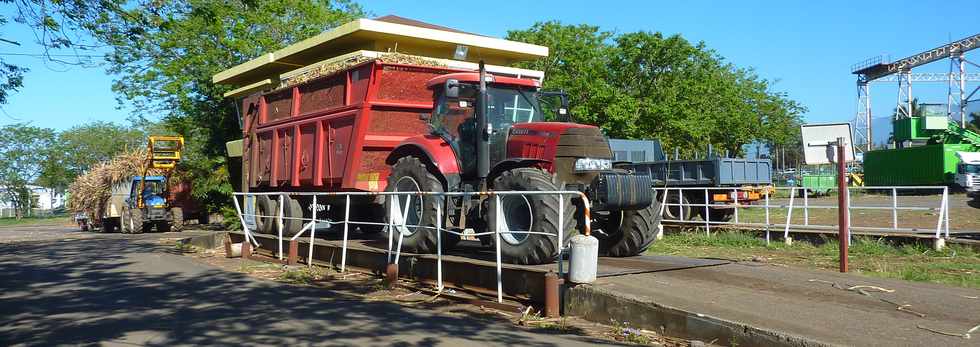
(60, 286)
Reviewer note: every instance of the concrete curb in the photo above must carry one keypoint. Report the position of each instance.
(209, 241)
(603, 306)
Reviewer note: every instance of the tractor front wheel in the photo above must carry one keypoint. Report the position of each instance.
(535, 213)
(629, 233)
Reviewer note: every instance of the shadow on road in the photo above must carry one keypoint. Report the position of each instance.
(89, 291)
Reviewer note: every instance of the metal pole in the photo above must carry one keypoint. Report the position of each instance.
(767, 219)
(282, 201)
(735, 194)
(707, 218)
(894, 208)
(392, 209)
(309, 259)
(561, 225)
(946, 199)
(943, 206)
(789, 214)
(497, 226)
(439, 201)
(806, 206)
(343, 250)
(843, 214)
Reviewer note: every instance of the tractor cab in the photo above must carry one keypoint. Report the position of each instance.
(153, 194)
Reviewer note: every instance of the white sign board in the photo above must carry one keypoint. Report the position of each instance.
(819, 141)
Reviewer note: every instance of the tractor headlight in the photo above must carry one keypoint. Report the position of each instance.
(592, 164)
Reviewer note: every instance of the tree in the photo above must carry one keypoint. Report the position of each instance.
(23, 150)
(165, 52)
(83, 146)
(648, 85)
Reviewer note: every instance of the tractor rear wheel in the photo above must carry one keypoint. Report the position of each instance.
(132, 221)
(629, 233)
(409, 174)
(534, 213)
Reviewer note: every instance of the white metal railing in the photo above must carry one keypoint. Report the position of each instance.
(702, 195)
(397, 221)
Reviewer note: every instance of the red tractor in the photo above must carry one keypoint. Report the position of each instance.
(381, 126)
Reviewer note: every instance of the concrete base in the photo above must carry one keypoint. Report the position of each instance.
(600, 305)
(938, 244)
(789, 241)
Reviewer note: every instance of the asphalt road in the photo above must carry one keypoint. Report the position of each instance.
(63, 287)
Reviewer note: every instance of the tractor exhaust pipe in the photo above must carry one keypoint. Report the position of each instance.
(485, 129)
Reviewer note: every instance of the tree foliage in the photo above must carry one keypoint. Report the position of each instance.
(23, 150)
(165, 52)
(83, 146)
(648, 85)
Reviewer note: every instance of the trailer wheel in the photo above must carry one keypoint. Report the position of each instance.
(718, 214)
(291, 209)
(410, 174)
(535, 213)
(631, 232)
(264, 206)
(677, 208)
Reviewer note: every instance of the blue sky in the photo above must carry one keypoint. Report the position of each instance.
(806, 46)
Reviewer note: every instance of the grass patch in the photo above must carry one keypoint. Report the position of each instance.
(33, 220)
(955, 265)
(305, 275)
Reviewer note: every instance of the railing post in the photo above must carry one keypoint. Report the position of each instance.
(789, 217)
(499, 214)
(735, 195)
(707, 214)
(440, 202)
(282, 201)
(561, 225)
(343, 249)
(806, 206)
(767, 217)
(894, 208)
(309, 259)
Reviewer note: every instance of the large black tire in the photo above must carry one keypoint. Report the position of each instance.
(629, 233)
(291, 209)
(411, 174)
(176, 219)
(536, 213)
(264, 206)
(110, 225)
(132, 221)
(681, 211)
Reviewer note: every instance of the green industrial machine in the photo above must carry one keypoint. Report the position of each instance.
(926, 150)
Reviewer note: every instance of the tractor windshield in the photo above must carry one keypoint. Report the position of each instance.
(507, 106)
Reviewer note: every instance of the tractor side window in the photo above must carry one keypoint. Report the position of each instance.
(454, 119)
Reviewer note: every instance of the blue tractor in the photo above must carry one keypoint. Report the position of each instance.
(146, 206)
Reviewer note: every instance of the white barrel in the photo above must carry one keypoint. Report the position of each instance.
(584, 259)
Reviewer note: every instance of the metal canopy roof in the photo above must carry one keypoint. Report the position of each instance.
(387, 34)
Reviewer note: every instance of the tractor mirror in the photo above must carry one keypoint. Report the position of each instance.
(452, 88)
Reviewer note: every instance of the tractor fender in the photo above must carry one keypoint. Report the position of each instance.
(514, 163)
(434, 150)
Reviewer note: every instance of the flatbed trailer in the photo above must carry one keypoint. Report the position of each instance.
(647, 157)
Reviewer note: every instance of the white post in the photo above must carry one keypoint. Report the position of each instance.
(309, 258)
(946, 198)
(942, 211)
(439, 201)
(806, 206)
(561, 225)
(241, 218)
(707, 214)
(735, 195)
(789, 216)
(393, 210)
(343, 249)
(894, 208)
(498, 221)
(282, 201)
(767, 219)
